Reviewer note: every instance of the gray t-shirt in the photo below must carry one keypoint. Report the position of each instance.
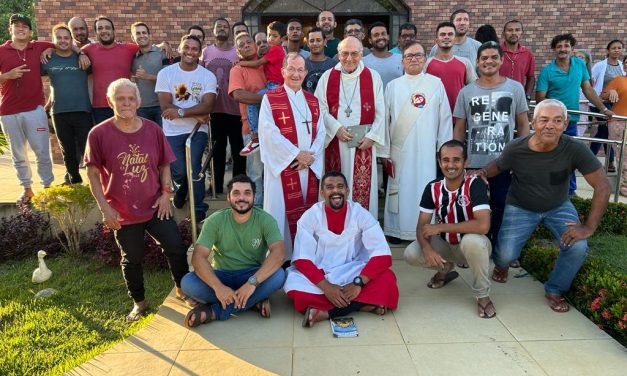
(611, 72)
(490, 115)
(388, 68)
(468, 49)
(68, 84)
(540, 180)
(152, 62)
(315, 69)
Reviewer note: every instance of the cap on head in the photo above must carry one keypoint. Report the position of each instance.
(17, 17)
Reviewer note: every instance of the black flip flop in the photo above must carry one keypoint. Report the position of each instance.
(447, 278)
(206, 308)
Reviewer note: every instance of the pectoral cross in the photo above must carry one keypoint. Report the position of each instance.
(283, 118)
(348, 111)
(306, 122)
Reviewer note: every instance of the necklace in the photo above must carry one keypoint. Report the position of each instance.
(20, 56)
(306, 122)
(348, 110)
(513, 61)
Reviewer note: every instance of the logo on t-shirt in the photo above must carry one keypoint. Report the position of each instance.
(463, 200)
(134, 164)
(181, 92)
(256, 243)
(418, 100)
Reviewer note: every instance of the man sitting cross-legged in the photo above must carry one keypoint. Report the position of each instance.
(461, 207)
(240, 275)
(341, 261)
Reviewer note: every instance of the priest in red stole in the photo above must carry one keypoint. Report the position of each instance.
(341, 261)
(352, 95)
(291, 138)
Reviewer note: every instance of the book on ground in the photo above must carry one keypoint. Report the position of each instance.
(343, 327)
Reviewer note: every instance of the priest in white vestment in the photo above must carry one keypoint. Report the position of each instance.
(291, 137)
(352, 95)
(418, 120)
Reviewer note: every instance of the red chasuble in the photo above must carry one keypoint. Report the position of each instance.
(362, 168)
(295, 203)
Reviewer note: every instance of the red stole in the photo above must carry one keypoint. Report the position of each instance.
(336, 219)
(362, 167)
(295, 204)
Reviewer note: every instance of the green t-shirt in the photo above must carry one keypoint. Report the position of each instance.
(238, 246)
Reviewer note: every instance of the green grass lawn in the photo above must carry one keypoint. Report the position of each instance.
(48, 336)
(611, 249)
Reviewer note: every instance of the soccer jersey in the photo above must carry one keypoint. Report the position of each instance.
(454, 206)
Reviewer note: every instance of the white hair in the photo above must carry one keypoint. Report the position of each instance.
(113, 88)
(548, 103)
(344, 41)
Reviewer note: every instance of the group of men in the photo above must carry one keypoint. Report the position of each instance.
(321, 132)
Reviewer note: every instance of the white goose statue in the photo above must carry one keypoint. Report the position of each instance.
(42, 273)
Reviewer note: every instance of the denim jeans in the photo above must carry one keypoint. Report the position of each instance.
(572, 131)
(197, 289)
(252, 110)
(517, 226)
(151, 113)
(179, 171)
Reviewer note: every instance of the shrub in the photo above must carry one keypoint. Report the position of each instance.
(24, 234)
(101, 241)
(69, 206)
(598, 292)
(614, 220)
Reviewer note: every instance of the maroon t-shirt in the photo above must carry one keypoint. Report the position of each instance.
(129, 167)
(107, 65)
(25, 93)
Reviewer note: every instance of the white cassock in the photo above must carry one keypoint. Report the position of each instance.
(414, 136)
(350, 84)
(342, 257)
(277, 153)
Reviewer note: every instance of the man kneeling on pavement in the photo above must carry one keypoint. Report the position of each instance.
(246, 266)
(461, 208)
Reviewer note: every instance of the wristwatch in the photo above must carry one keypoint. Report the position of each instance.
(358, 281)
(253, 281)
(181, 112)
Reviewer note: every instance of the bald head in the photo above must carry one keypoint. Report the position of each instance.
(351, 43)
(350, 51)
(79, 30)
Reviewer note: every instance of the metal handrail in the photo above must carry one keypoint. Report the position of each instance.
(622, 143)
(201, 174)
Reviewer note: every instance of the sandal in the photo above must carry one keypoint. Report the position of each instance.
(378, 310)
(462, 265)
(197, 312)
(557, 303)
(484, 307)
(435, 281)
(514, 264)
(500, 274)
(24, 199)
(314, 313)
(190, 302)
(263, 307)
(136, 314)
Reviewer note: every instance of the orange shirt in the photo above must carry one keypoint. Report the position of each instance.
(620, 85)
(249, 79)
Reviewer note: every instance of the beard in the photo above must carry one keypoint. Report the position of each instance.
(336, 206)
(106, 42)
(241, 211)
(222, 37)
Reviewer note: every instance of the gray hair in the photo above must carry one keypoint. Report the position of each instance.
(113, 88)
(549, 103)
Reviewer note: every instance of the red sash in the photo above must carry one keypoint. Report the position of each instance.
(295, 204)
(362, 167)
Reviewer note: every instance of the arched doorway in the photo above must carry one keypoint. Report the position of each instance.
(259, 13)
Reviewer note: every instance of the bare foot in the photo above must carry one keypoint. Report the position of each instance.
(486, 308)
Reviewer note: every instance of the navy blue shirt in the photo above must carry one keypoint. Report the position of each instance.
(68, 84)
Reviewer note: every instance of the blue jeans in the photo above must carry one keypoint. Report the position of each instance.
(179, 172)
(572, 131)
(151, 113)
(197, 289)
(252, 110)
(517, 226)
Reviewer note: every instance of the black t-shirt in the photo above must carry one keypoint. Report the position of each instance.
(315, 69)
(454, 206)
(540, 180)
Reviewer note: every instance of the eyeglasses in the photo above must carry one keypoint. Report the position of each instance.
(294, 70)
(354, 54)
(409, 57)
(353, 32)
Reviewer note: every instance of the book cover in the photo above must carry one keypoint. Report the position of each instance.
(343, 327)
(358, 132)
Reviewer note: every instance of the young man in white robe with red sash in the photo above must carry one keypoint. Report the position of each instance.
(419, 122)
(291, 137)
(341, 261)
(352, 95)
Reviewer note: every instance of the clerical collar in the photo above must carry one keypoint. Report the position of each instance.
(414, 76)
(289, 90)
